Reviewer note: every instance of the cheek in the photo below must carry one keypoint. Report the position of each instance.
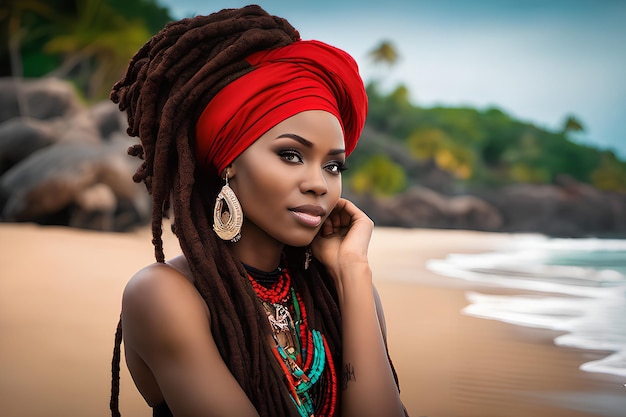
(258, 185)
(336, 190)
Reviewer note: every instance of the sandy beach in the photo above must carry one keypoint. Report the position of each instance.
(60, 293)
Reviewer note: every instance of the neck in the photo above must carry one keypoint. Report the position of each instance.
(258, 250)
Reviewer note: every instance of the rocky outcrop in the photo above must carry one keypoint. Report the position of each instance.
(66, 163)
(423, 207)
(566, 209)
(39, 98)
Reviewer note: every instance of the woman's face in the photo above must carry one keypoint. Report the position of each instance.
(289, 180)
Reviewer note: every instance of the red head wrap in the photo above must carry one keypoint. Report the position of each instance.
(304, 75)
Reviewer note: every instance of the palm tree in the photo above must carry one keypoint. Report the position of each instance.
(98, 42)
(572, 124)
(384, 53)
(91, 37)
(384, 56)
(12, 12)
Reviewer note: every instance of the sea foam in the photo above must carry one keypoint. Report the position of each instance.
(574, 286)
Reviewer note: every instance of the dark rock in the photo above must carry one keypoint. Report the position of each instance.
(19, 138)
(422, 207)
(65, 164)
(565, 209)
(94, 208)
(107, 118)
(571, 209)
(79, 127)
(42, 98)
(48, 180)
(471, 212)
(75, 183)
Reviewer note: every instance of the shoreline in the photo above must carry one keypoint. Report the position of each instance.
(60, 296)
(460, 365)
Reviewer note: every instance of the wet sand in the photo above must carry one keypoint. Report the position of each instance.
(60, 294)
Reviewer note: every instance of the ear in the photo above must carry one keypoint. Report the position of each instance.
(230, 170)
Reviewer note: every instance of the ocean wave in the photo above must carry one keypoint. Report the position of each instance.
(575, 286)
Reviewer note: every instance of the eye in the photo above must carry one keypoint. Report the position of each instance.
(336, 167)
(291, 155)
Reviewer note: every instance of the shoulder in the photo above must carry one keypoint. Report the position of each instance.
(159, 283)
(167, 334)
(159, 305)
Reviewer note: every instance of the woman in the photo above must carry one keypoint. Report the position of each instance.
(270, 310)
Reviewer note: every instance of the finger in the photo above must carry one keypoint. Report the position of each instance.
(348, 214)
(327, 228)
(342, 214)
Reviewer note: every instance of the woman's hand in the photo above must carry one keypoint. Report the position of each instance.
(343, 239)
(369, 388)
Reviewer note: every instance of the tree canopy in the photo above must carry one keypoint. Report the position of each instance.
(86, 41)
(476, 147)
(90, 42)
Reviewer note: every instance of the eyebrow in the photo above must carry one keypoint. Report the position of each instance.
(308, 143)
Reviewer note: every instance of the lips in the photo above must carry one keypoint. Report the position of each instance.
(308, 215)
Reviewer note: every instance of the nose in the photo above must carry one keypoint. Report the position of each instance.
(314, 182)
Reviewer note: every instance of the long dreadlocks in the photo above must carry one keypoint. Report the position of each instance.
(167, 84)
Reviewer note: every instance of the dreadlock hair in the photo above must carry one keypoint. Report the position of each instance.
(167, 85)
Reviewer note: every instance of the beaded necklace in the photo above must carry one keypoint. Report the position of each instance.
(302, 353)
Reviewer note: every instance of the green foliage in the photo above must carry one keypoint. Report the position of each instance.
(378, 175)
(487, 147)
(610, 173)
(148, 11)
(88, 42)
(435, 144)
(425, 143)
(38, 63)
(393, 113)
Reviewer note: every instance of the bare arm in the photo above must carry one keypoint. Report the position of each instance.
(165, 323)
(368, 382)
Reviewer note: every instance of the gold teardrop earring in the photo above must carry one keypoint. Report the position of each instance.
(227, 222)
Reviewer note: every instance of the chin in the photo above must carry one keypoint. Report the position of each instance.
(299, 240)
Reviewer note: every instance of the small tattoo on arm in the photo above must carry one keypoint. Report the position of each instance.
(348, 375)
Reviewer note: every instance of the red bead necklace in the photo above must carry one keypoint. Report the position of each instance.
(275, 293)
(278, 293)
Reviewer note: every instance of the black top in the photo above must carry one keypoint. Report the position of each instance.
(161, 410)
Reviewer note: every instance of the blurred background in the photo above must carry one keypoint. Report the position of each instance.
(488, 115)
(499, 117)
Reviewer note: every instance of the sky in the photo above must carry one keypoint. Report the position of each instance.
(537, 60)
